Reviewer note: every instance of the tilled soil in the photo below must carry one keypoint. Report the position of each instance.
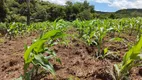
(11, 57)
(77, 60)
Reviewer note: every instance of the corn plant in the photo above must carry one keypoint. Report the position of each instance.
(79, 26)
(100, 30)
(131, 59)
(100, 33)
(35, 54)
(93, 32)
(14, 29)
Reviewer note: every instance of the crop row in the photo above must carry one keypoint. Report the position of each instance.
(92, 32)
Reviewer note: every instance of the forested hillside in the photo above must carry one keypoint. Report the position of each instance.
(129, 13)
(124, 13)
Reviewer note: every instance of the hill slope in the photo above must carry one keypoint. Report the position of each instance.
(121, 13)
(130, 12)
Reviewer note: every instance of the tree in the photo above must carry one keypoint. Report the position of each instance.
(2, 10)
(112, 16)
(37, 10)
(85, 15)
(86, 5)
(69, 10)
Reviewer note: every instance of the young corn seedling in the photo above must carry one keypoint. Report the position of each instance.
(132, 58)
(99, 35)
(35, 55)
(79, 26)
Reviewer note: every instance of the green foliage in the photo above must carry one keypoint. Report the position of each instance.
(85, 15)
(131, 59)
(93, 32)
(43, 11)
(112, 16)
(123, 13)
(35, 54)
(14, 29)
(128, 13)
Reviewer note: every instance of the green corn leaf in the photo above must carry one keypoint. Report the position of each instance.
(127, 66)
(117, 69)
(105, 50)
(133, 52)
(28, 51)
(117, 39)
(49, 68)
(137, 49)
(48, 57)
(39, 59)
(127, 56)
(38, 44)
(50, 34)
(40, 47)
(43, 62)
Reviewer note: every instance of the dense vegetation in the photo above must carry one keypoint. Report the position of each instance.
(17, 11)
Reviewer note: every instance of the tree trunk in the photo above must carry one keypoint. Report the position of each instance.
(28, 12)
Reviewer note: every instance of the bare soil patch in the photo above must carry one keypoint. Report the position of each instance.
(77, 60)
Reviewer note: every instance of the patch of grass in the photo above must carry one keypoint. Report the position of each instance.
(2, 40)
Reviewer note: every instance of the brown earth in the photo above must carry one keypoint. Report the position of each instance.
(77, 59)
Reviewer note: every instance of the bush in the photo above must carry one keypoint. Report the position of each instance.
(3, 29)
(85, 15)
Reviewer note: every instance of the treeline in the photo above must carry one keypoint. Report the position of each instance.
(16, 11)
